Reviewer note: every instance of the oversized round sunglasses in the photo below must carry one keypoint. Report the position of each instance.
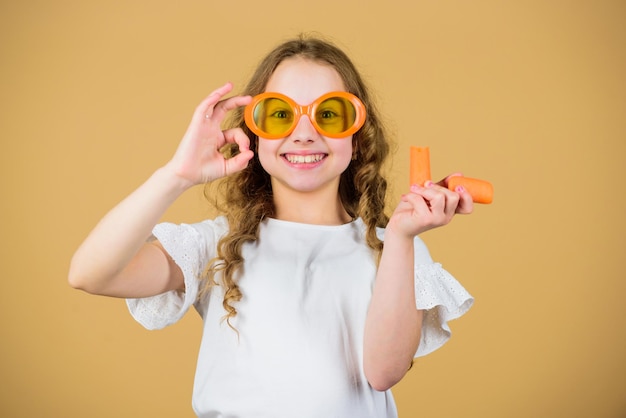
(336, 115)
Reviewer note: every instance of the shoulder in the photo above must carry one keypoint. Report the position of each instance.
(179, 240)
(218, 226)
(208, 228)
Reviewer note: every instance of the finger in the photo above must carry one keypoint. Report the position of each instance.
(206, 106)
(222, 108)
(238, 162)
(237, 136)
(432, 193)
(417, 200)
(466, 203)
(437, 200)
(442, 201)
(241, 159)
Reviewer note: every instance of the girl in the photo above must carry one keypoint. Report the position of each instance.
(305, 312)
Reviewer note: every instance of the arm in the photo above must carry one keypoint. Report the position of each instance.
(393, 324)
(117, 259)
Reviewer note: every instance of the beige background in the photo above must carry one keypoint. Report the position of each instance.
(528, 94)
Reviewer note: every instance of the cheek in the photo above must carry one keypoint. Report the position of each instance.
(343, 149)
(267, 151)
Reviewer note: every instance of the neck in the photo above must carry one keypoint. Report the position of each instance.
(322, 207)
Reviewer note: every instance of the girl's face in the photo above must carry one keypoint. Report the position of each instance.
(305, 161)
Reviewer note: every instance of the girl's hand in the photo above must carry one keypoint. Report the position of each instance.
(429, 207)
(197, 159)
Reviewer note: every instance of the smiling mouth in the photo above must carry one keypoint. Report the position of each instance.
(304, 159)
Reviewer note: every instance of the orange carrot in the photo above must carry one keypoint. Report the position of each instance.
(480, 190)
(419, 171)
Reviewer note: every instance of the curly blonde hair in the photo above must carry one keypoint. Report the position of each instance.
(246, 197)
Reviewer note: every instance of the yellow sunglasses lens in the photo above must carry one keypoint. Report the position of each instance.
(273, 115)
(335, 115)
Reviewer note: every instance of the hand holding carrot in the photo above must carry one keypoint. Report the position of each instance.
(480, 190)
(427, 207)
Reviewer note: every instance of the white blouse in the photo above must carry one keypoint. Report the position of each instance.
(298, 349)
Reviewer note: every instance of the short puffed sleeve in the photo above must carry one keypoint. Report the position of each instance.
(191, 246)
(441, 297)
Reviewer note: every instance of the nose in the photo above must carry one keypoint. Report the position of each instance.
(304, 131)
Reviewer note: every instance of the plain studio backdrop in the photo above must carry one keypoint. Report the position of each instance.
(530, 95)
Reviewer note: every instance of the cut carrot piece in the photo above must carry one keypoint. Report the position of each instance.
(480, 190)
(419, 170)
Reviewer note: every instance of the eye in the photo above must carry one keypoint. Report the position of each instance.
(280, 114)
(327, 114)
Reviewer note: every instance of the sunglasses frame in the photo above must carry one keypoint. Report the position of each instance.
(308, 110)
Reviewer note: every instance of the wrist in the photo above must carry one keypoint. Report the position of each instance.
(398, 232)
(167, 177)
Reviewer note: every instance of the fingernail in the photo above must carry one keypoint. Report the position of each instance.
(428, 183)
(414, 188)
(459, 189)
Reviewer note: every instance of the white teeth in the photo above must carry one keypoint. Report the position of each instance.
(304, 159)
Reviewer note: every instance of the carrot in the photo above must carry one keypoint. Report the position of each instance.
(480, 190)
(419, 171)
